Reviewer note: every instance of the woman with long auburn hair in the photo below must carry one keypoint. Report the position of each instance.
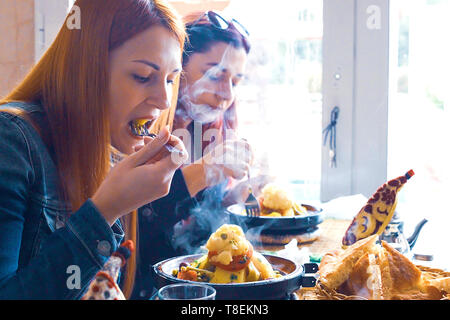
(61, 206)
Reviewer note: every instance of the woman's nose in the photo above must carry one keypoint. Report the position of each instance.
(162, 97)
(225, 90)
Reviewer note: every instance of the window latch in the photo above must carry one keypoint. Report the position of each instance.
(330, 134)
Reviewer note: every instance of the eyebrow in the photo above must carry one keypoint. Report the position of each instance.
(214, 64)
(154, 65)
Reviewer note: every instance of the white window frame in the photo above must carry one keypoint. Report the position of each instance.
(356, 78)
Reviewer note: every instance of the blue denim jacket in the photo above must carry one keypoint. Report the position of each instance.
(43, 246)
(41, 240)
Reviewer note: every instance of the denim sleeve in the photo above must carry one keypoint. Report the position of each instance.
(71, 256)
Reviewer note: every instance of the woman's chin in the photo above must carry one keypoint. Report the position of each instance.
(127, 145)
(123, 150)
(205, 117)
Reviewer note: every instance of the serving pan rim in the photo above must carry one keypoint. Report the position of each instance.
(298, 272)
(316, 213)
(277, 224)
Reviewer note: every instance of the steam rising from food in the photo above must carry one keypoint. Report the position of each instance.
(205, 217)
(201, 101)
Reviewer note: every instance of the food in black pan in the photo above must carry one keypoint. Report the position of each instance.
(230, 259)
(276, 202)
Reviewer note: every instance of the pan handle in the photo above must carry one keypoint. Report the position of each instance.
(309, 281)
(310, 267)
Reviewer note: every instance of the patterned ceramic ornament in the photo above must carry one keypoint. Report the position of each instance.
(104, 285)
(378, 211)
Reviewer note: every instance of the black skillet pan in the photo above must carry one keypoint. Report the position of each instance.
(308, 221)
(294, 277)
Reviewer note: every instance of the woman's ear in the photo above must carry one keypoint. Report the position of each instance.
(182, 83)
(182, 78)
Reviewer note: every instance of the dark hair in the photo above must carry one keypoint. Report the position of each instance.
(203, 35)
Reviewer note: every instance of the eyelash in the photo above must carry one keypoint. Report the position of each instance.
(213, 78)
(141, 79)
(147, 79)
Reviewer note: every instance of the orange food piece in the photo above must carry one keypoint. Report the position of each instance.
(187, 275)
(261, 201)
(238, 263)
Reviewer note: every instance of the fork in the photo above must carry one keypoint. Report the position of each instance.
(251, 204)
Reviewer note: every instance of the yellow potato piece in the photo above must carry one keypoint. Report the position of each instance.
(263, 266)
(273, 214)
(276, 198)
(288, 213)
(228, 241)
(299, 209)
(252, 273)
(224, 276)
(202, 263)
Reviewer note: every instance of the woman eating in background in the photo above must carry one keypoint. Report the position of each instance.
(214, 60)
(60, 204)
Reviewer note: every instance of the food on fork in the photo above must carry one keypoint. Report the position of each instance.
(377, 212)
(230, 259)
(141, 127)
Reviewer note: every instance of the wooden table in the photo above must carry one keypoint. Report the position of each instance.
(330, 238)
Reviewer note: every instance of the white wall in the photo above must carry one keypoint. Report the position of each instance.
(49, 17)
(16, 42)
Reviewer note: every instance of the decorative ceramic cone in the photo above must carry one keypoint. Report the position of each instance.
(378, 211)
(104, 285)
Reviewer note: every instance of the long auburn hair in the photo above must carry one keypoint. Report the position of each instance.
(201, 36)
(71, 82)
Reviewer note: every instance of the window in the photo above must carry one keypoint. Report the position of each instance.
(280, 104)
(419, 113)
(71, 3)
